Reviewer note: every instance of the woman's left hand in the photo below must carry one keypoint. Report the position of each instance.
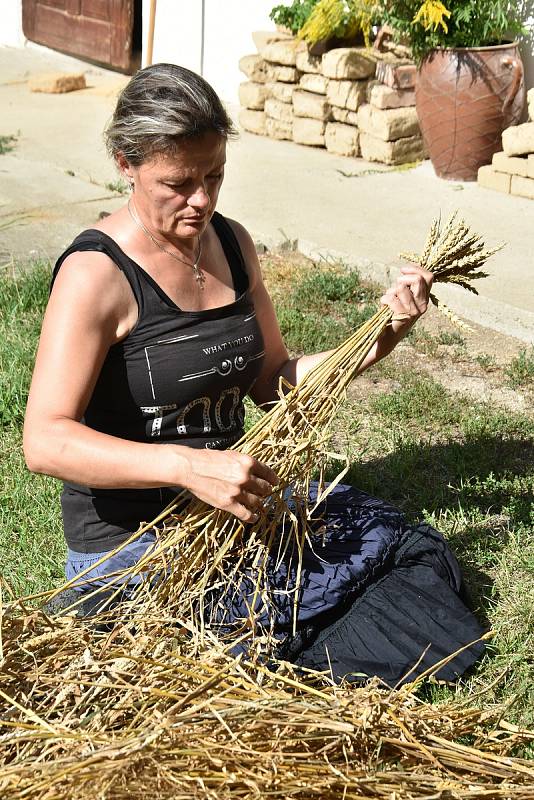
(408, 299)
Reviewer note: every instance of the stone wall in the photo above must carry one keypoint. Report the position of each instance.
(352, 101)
(512, 170)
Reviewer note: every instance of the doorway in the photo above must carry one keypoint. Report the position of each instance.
(107, 32)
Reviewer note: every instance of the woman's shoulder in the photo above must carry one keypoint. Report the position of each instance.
(87, 259)
(89, 274)
(90, 265)
(91, 285)
(95, 253)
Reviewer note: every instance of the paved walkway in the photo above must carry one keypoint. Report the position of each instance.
(57, 180)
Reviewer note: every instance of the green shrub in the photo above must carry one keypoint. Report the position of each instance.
(463, 23)
(520, 371)
(293, 16)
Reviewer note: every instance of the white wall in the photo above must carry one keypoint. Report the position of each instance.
(227, 28)
(178, 32)
(11, 23)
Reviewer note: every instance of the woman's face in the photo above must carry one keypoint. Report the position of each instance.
(176, 195)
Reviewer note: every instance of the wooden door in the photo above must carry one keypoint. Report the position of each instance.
(100, 30)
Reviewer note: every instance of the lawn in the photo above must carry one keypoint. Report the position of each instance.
(464, 464)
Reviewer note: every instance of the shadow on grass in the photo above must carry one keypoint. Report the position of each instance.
(483, 473)
(480, 488)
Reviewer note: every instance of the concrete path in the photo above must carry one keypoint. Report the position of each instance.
(58, 178)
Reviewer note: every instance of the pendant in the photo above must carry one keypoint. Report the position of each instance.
(199, 275)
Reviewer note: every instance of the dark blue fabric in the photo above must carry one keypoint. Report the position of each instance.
(406, 622)
(355, 535)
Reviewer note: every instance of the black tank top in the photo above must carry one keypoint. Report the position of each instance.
(179, 376)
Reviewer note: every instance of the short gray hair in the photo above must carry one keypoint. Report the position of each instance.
(162, 105)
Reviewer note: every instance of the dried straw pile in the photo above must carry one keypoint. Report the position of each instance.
(150, 701)
(108, 716)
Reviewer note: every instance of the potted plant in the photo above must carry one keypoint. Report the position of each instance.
(470, 75)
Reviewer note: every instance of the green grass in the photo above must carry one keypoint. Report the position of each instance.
(7, 143)
(427, 450)
(22, 301)
(520, 371)
(432, 345)
(447, 338)
(319, 306)
(466, 468)
(423, 341)
(31, 538)
(119, 186)
(486, 361)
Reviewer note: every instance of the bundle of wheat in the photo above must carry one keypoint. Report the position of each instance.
(146, 697)
(210, 549)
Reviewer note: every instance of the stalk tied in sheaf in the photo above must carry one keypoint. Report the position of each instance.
(205, 559)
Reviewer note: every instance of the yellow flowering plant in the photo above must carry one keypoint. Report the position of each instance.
(431, 15)
(339, 18)
(425, 24)
(431, 24)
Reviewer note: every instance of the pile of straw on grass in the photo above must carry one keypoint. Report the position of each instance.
(100, 715)
(147, 699)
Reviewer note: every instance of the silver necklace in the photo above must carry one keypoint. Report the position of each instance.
(199, 275)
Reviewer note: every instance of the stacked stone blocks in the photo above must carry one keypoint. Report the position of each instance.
(512, 170)
(333, 101)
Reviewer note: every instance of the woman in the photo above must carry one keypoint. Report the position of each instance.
(157, 327)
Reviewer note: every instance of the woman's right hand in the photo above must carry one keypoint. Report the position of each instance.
(229, 480)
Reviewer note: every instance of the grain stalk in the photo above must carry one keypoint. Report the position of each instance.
(201, 551)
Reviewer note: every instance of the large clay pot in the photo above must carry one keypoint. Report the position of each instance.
(465, 98)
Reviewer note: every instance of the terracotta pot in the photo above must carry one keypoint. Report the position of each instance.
(465, 98)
